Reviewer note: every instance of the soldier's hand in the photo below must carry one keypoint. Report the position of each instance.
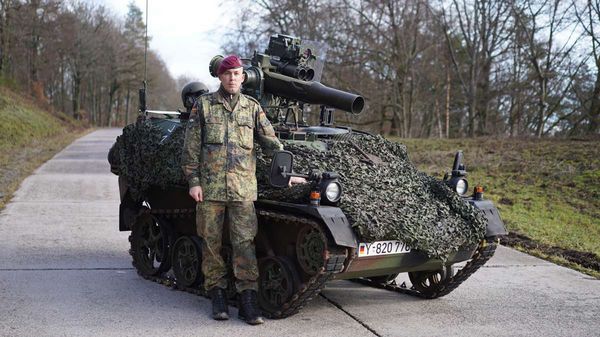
(196, 193)
(297, 180)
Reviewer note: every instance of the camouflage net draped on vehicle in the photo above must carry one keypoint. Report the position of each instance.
(389, 201)
(150, 155)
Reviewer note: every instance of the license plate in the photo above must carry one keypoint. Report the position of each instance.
(382, 248)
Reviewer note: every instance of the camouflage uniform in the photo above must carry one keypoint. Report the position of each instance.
(219, 156)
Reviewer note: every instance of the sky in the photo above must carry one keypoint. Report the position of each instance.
(185, 33)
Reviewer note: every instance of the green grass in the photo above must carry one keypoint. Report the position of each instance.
(23, 122)
(29, 136)
(548, 190)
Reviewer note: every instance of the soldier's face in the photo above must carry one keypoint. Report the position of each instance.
(232, 80)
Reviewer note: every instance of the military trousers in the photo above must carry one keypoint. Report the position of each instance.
(210, 219)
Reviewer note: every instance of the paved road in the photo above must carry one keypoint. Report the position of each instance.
(65, 271)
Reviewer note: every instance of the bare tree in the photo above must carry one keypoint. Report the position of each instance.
(8, 8)
(133, 59)
(482, 29)
(551, 62)
(589, 19)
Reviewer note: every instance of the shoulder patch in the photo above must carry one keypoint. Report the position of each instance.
(262, 119)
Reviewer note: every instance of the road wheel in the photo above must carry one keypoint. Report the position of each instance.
(430, 282)
(187, 261)
(150, 245)
(278, 282)
(310, 247)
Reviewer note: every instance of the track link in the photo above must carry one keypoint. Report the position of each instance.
(333, 262)
(484, 252)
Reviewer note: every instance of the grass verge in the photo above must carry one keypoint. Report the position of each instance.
(29, 136)
(546, 190)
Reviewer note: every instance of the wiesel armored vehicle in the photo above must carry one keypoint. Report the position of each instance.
(365, 214)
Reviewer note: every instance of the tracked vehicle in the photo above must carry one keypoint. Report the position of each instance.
(303, 244)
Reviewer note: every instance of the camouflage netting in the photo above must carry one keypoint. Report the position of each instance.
(148, 158)
(387, 201)
(391, 201)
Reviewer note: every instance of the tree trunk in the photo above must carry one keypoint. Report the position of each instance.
(396, 127)
(541, 108)
(33, 67)
(447, 103)
(472, 108)
(483, 88)
(594, 113)
(471, 118)
(511, 116)
(399, 120)
(127, 106)
(118, 109)
(76, 94)
(5, 37)
(92, 103)
(410, 105)
(111, 97)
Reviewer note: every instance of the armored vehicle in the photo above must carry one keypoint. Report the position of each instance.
(316, 232)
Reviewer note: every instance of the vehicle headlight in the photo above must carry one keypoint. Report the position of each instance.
(333, 191)
(461, 186)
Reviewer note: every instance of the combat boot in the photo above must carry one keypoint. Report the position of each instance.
(249, 311)
(220, 310)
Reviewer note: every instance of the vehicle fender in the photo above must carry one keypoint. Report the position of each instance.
(495, 225)
(127, 215)
(333, 217)
(123, 186)
(128, 208)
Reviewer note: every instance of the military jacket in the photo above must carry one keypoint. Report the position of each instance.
(219, 152)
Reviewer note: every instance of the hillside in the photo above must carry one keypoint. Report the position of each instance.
(547, 191)
(28, 137)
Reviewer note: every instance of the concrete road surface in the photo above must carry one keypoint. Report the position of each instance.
(65, 271)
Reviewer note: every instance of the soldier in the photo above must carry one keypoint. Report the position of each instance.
(189, 95)
(220, 164)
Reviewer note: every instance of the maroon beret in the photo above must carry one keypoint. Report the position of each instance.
(229, 62)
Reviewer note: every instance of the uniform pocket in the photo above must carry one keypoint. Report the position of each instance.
(215, 130)
(245, 129)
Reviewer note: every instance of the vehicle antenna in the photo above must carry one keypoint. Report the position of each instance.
(146, 46)
(142, 91)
